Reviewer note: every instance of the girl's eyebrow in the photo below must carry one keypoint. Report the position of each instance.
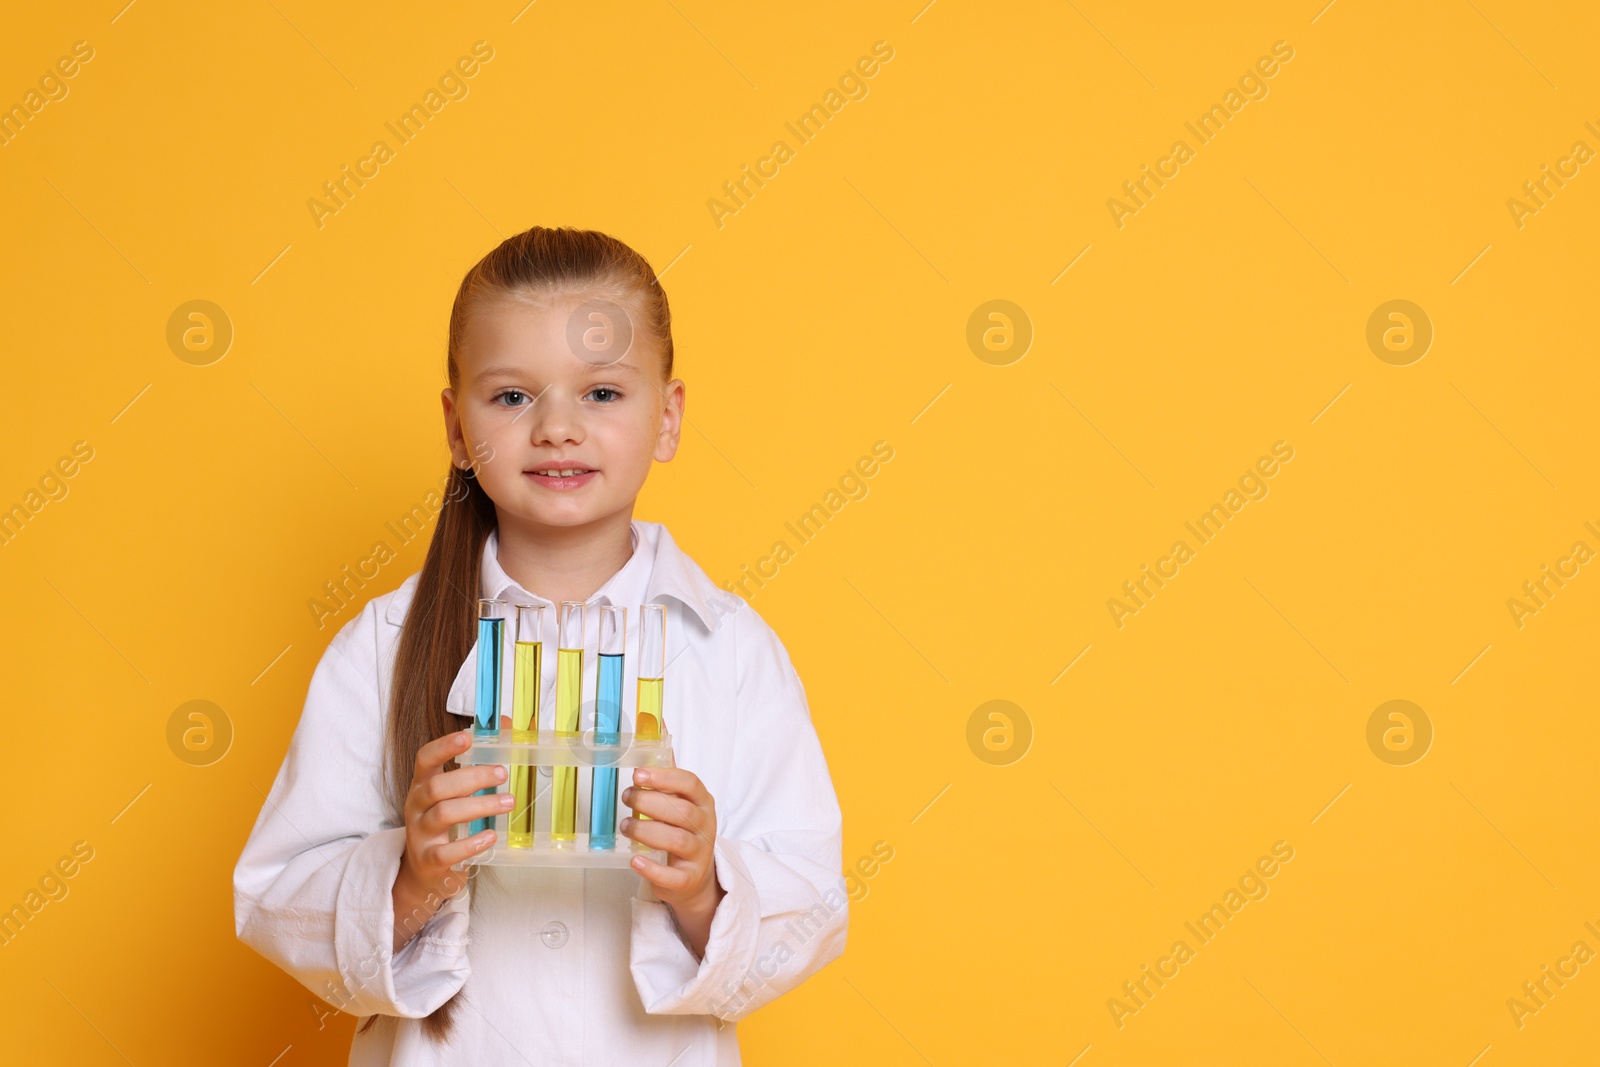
(518, 372)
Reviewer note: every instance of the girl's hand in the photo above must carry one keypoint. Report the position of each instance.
(437, 801)
(683, 823)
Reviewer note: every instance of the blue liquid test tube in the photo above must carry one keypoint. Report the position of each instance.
(486, 710)
(607, 725)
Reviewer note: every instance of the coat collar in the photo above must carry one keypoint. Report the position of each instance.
(628, 586)
(672, 574)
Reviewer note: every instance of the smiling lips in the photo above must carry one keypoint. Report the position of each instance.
(562, 477)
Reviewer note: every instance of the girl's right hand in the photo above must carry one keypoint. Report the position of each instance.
(437, 801)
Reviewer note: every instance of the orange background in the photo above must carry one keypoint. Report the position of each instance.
(1039, 862)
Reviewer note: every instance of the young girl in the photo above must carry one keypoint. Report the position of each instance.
(561, 394)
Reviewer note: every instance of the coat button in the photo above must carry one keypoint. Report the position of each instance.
(554, 934)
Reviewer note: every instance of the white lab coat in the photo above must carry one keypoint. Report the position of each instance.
(558, 966)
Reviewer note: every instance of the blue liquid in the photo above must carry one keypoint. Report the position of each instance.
(607, 727)
(486, 720)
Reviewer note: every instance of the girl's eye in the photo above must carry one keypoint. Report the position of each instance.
(512, 393)
(603, 389)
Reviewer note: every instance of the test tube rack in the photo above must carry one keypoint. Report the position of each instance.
(549, 750)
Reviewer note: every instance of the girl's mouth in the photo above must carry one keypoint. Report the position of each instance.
(562, 478)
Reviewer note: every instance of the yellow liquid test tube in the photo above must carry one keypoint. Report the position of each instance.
(569, 701)
(648, 719)
(527, 666)
(648, 723)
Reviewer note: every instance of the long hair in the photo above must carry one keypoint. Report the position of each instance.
(534, 266)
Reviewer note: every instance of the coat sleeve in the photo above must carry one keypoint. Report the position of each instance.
(313, 886)
(778, 855)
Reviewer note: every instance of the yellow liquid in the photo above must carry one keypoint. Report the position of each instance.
(525, 691)
(647, 720)
(524, 787)
(524, 727)
(564, 782)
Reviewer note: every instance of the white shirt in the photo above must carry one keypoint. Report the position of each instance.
(557, 966)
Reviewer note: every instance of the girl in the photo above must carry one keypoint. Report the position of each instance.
(561, 394)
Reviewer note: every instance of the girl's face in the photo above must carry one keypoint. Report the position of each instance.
(546, 390)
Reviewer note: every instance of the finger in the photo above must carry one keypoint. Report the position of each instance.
(447, 813)
(674, 780)
(433, 755)
(461, 782)
(661, 876)
(653, 833)
(670, 809)
(447, 855)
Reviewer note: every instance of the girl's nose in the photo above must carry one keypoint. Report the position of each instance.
(554, 419)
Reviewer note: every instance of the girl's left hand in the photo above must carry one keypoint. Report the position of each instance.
(682, 823)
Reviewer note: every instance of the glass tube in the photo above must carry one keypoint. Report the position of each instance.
(607, 725)
(526, 666)
(569, 701)
(648, 723)
(486, 710)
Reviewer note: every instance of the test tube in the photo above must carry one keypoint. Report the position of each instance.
(569, 700)
(526, 665)
(648, 723)
(486, 711)
(607, 725)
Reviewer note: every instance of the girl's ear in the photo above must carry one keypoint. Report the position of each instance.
(452, 429)
(674, 396)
